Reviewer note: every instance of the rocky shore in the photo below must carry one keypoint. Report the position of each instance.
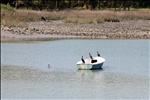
(139, 29)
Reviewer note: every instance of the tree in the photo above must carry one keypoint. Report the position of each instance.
(61, 4)
(93, 4)
(86, 4)
(124, 4)
(115, 4)
(70, 4)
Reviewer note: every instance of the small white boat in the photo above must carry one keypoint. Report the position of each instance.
(96, 63)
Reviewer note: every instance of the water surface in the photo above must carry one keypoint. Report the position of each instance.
(25, 72)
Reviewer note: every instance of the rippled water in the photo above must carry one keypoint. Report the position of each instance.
(25, 73)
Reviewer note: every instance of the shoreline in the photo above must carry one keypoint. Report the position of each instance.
(7, 36)
(59, 29)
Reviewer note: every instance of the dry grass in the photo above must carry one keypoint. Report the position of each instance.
(106, 15)
(20, 17)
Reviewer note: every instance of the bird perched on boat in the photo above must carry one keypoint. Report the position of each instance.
(90, 56)
(82, 59)
(98, 54)
(42, 18)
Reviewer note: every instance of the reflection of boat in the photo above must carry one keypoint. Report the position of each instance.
(96, 63)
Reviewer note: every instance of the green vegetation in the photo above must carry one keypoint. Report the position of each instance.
(78, 4)
(7, 8)
(8, 16)
(19, 17)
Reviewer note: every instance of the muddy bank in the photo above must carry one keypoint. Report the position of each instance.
(139, 29)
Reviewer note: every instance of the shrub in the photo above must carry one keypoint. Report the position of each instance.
(7, 8)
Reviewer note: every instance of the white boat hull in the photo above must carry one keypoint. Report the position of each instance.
(89, 65)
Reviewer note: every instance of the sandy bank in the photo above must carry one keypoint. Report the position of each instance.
(139, 29)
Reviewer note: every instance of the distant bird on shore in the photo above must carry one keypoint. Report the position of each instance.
(90, 56)
(98, 54)
(42, 18)
(82, 59)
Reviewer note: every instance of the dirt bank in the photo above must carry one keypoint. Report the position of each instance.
(139, 29)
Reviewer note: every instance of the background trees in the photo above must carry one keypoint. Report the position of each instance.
(78, 4)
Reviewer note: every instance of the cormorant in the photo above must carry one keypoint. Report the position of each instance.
(98, 54)
(82, 59)
(90, 56)
(42, 18)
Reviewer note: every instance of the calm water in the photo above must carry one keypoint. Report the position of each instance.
(25, 72)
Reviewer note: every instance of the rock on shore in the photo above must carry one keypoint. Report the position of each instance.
(139, 29)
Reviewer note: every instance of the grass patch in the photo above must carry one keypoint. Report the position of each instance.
(100, 16)
(7, 8)
(79, 20)
(100, 20)
(18, 18)
(71, 20)
(14, 23)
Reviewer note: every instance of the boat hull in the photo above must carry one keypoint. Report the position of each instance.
(89, 64)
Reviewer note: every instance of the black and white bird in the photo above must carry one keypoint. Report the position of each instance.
(82, 59)
(90, 56)
(98, 54)
(42, 18)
